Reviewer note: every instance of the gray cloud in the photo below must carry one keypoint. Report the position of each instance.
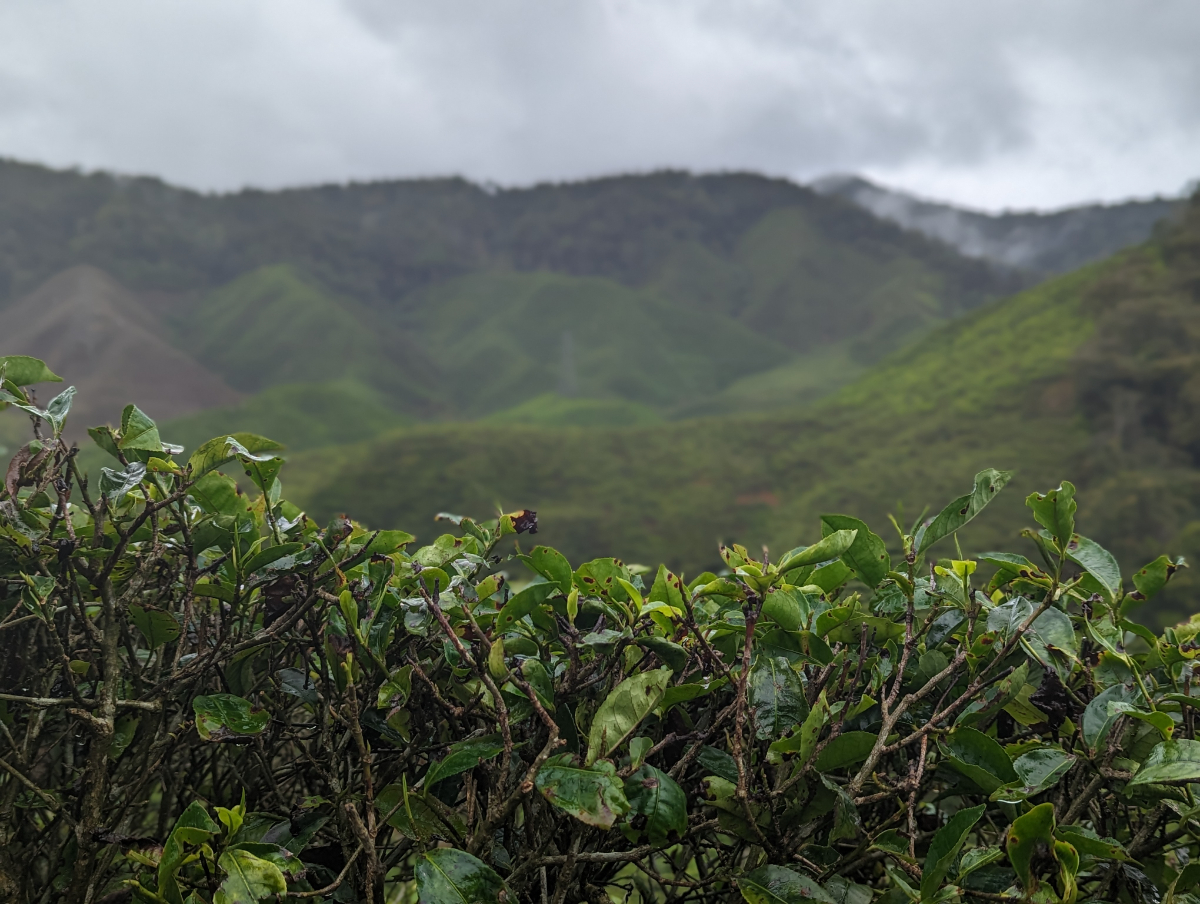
(1016, 103)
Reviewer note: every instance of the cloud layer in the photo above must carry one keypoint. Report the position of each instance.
(992, 104)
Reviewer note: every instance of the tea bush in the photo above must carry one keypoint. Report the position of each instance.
(207, 697)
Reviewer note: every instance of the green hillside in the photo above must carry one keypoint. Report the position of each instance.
(1091, 376)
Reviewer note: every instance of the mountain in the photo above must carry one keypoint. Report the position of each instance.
(111, 344)
(439, 300)
(1043, 243)
(1091, 377)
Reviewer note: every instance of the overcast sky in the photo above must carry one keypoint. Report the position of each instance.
(989, 103)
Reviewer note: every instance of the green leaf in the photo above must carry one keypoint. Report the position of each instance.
(1169, 763)
(1161, 721)
(261, 467)
(1041, 769)
(1098, 562)
(552, 565)
(1024, 835)
(831, 547)
(156, 625)
(386, 542)
(777, 696)
(194, 826)
(450, 876)
(463, 756)
(1097, 719)
(265, 557)
(672, 654)
(60, 405)
(425, 823)
(787, 608)
(1153, 577)
(682, 693)
(846, 820)
(592, 794)
(522, 604)
(22, 370)
(668, 589)
(945, 847)
(979, 758)
(846, 749)
(976, 858)
(217, 451)
(867, 555)
(1055, 511)
(772, 884)
(803, 742)
(655, 795)
(1090, 844)
(224, 717)
(114, 485)
(248, 879)
(987, 484)
(138, 431)
(623, 710)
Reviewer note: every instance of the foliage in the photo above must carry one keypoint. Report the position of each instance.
(208, 697)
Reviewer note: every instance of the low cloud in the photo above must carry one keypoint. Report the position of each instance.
(1015, 104)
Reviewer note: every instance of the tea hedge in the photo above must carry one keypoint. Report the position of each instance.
(205, 696)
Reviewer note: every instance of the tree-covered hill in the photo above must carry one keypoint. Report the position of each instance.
(1093, 374)
(422, 295)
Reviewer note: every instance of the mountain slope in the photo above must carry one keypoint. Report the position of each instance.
(106, 341)
(1089, 377)
(1053, 242)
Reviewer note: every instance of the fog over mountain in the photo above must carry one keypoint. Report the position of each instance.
(1040, 242)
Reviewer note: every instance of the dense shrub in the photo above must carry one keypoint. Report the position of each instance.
(205, 696)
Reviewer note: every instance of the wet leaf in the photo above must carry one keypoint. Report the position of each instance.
(779, 885)
(867, 555)
(623, 710)
(592, 794)
(450, 876)
(777, 696)
(945, 847)
(655, 795)
(225, 718)
(987, 484)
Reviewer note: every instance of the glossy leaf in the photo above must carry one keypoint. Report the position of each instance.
(945, 847)
(157, 626)
(592, 794)
(867, 555)
(1024, 835)
(113, 485)
(987, 484)
(1096, 561)
(1041, 769)
(552, 565)
(21, 370)
(980, 759)
(779, 885)
(248, 879)
(777, 696)
(1055, 511)
(1171, 762)
(463, 756)
(846, 749)
(225, 717)
(655, 795)
(1151, 578)
(450, 876)
(623, 710)
(831, 546)
(521, 604)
